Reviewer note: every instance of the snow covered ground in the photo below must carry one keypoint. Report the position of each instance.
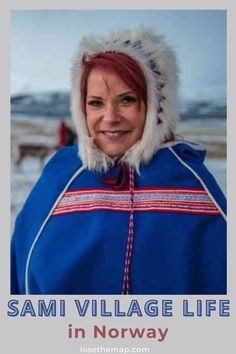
(211, 133)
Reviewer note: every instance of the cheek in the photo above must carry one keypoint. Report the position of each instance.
(142, 124)
(140, 121)
(90, 121)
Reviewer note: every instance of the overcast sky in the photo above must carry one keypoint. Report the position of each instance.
(43, 43)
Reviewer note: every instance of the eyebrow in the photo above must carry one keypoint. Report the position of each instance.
(96, 97)
(120, 95)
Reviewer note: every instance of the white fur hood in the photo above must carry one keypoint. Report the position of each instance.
(158, 62)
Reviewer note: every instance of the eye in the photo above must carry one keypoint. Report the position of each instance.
(128, 100)
(95, 103)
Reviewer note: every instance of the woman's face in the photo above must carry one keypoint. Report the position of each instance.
(115, 118)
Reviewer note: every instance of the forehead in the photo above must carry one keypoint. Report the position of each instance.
(103, 81)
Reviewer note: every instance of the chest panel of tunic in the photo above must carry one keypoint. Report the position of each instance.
(174, 200)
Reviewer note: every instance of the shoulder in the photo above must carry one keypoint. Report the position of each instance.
(188, 151)
(55, 175)
(66, 157)
(57, 171)
(190, 156)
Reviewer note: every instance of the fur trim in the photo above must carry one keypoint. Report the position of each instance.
(158, 62)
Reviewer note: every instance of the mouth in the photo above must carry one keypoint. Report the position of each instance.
(116, 134)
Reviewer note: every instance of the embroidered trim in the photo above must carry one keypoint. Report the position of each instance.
(184, 200)
(128, 255)
(221, 212)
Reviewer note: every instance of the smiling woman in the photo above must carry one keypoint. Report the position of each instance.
(115, 117)
(132, 209)
(114, 98)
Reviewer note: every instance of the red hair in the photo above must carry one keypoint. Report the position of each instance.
(122, 64)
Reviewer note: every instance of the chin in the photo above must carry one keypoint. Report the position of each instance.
(114, 154)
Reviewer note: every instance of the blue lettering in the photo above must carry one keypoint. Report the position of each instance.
(167, 308)
(210, 306)
(103, 309)
(12, 306)
(134, 308)
(43, 310)
(118, 313)
(82, 310)
(199, 308)
(151, 308)
(62, 308)
(224, 308)
(28, 309)
(94, 308)
(186, 312)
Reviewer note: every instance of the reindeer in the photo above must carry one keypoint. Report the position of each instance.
(40, 151)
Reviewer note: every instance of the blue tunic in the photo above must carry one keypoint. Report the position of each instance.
(71, 236)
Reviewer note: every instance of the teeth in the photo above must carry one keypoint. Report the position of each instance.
(115, 134)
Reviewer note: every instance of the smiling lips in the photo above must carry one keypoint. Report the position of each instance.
(114, 134)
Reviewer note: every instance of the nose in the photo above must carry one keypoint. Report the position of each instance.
(111, 114)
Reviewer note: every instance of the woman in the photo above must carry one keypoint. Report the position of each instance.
(132, 210)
